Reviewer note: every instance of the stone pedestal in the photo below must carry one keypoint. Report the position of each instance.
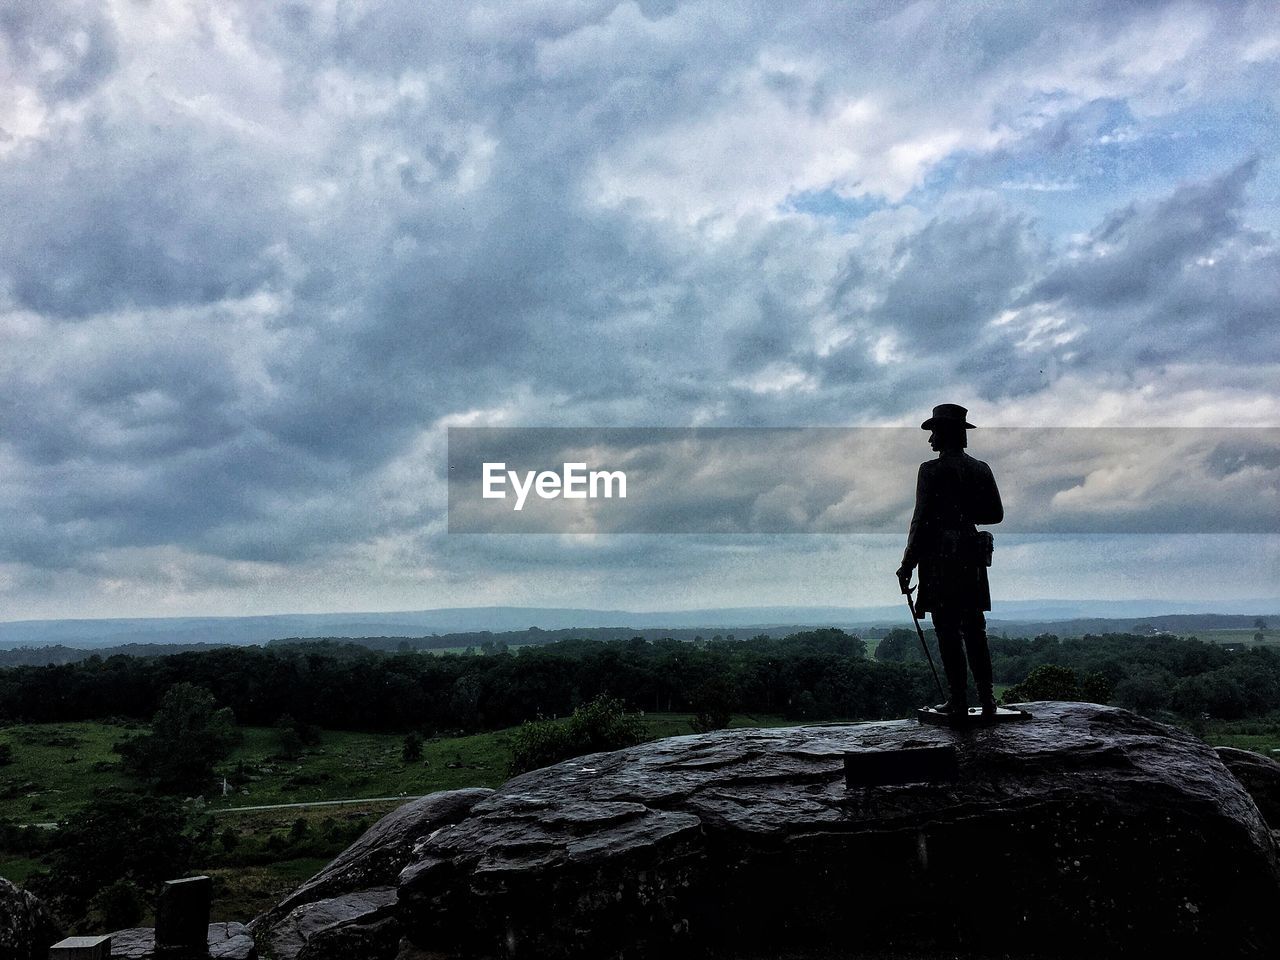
(81, 948)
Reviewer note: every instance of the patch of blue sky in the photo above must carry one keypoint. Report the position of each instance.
(844, 211)
(1071, 173)
(941, 179)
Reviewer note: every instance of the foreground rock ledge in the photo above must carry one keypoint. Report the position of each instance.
(1087, 831)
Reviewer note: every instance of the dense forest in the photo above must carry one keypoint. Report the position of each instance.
(818, 674)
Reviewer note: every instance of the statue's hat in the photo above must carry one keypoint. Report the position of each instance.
(948, 414)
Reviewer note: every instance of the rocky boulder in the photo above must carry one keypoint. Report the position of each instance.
(351, 901)
(1260, 776)
(351, 926)
(26, 928)
(227, 941)
(1086, 831)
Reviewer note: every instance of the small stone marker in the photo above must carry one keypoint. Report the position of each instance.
(81, 948)
(182, 917)
(876, 768)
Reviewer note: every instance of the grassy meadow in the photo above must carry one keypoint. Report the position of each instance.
(1270, 638)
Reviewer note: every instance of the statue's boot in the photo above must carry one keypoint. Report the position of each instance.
(987, 700)
(956, 706)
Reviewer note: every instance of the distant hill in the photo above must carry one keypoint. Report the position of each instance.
(90, 634)
(1178, 624)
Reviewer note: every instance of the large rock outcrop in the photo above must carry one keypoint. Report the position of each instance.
(1260, 776)
(348, 908)
(351, 926)
(1087, 831)
(26, 927)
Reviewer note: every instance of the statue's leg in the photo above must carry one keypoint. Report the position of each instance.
(975, 644)
(946, 623)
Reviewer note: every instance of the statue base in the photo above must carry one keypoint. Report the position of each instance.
(974, 719)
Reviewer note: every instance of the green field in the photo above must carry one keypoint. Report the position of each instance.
(350, 765)
(1264, 743)
(1261, 736)
(1270, 638)
(56, 767)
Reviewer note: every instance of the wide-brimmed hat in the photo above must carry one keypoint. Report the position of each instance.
(948, 414)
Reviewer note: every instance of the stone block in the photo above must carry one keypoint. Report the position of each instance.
(81, 948)
(182, 916)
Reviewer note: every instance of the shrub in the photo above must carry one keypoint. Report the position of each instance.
(704, 721)
(116, 906)
(602, 724)
(712, 704)
(1045, 682)
(1096, 688)
(294, 734)
(411, 752)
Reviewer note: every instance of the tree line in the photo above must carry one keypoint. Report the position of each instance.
(810, 675)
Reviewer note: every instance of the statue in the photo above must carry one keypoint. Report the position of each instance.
(954, 493)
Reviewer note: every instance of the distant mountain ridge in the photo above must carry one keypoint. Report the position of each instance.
(261, 629)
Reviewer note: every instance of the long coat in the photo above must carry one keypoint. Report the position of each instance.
(953, 493)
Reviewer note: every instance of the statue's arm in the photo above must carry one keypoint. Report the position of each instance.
(992, 509)
(910, 556)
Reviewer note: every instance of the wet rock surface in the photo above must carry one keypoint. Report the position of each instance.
(26, 927)
(381, 852)
(347, 909)
(1260, 776)
(227, 941)
(1086, 829)
(352, 925)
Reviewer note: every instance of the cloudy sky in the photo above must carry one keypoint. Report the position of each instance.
(257, 258)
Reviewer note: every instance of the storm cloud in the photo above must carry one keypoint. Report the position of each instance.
(258, 258)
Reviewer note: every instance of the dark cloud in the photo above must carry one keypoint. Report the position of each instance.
(954, 276)
(1176, 280)
(1140, 249)
(111, 218)
(256, 256)
(67, 49)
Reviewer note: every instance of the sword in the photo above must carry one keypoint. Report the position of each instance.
(920, 633)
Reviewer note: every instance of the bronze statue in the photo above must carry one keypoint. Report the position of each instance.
(953, 494)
